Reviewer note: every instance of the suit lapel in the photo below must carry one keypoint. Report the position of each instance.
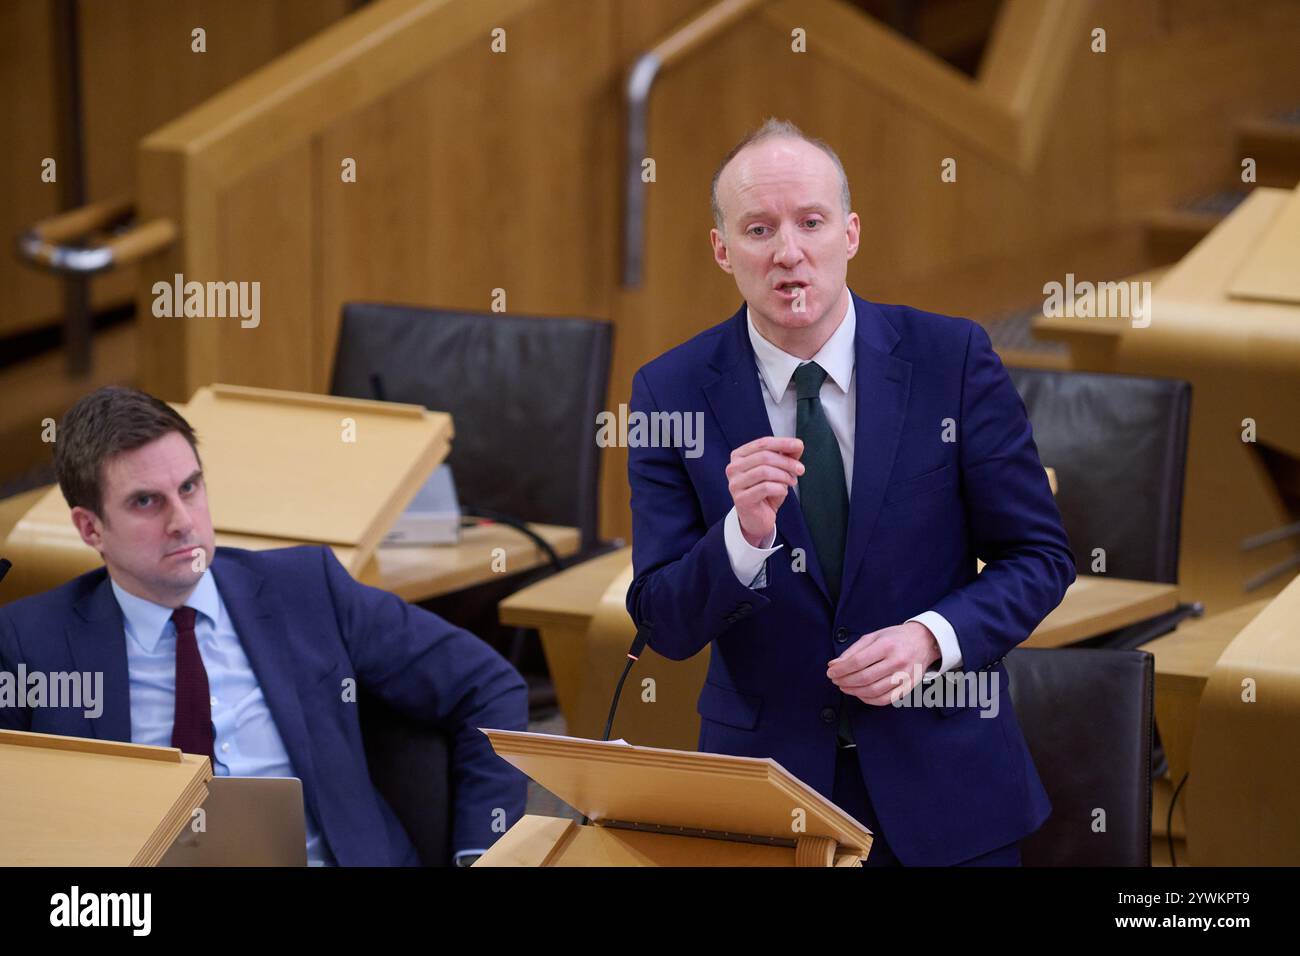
(736, 398)
(883, 385)
(98, 645)
(262, 630)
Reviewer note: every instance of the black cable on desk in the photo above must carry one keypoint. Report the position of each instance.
(497, 517)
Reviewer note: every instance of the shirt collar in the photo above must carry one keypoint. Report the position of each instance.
(147, 621)
(836, 356)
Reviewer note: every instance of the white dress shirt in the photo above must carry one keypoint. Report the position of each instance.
(839, 401)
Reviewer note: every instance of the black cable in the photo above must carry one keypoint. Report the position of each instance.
(633, 655)
(618, 695)
(1169, 820)
(489, 515)
(613, 706)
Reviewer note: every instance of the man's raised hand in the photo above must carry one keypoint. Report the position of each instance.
(759, 476)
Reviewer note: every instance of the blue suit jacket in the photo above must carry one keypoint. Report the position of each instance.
(305, 625)
(947, 784)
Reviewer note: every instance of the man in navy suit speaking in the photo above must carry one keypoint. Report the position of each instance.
(847, 620)
(248, 656)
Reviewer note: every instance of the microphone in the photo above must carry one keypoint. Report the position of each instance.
(633, 655)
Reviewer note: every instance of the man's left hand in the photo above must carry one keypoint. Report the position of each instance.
(884, 665)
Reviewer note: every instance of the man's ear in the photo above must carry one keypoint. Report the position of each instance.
(88, 526)
(720, 255)
(853, 229)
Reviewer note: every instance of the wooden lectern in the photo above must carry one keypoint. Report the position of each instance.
(73, 801)
(654, 807)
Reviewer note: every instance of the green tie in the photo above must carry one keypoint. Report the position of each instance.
(822, 493)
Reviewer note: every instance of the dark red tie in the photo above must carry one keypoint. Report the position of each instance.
(192, 726)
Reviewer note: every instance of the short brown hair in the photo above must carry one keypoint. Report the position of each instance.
(108, 421)
(787, 130)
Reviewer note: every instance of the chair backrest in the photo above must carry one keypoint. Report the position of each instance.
(523, 394)
(410, 766)
(1087, 718)
(1119, 447)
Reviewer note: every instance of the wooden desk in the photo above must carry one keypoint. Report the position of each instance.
(421, 573)
(412, 573)
(74, 801)
(1184, 661)
(1241, 793)
(1094, 605)
(567, 599)
(561, 608)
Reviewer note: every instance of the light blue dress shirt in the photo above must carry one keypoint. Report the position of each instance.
(247, 743)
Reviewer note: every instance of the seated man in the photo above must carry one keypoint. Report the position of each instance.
(251, 657)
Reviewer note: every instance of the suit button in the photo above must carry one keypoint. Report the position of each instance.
(828, 714)
(842, 635)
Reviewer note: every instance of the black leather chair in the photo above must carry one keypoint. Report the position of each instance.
(1119, 447)
(1087, 717)
(410, 766)
(524, 393)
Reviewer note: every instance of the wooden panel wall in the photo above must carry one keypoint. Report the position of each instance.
(1180, 85)
(138, 71)
(489, 171)
(29, 126)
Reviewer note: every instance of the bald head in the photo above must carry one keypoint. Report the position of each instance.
(774, 134)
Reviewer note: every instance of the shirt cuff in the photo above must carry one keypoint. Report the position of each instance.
(462, 853)
(748, 563)
(946, 637)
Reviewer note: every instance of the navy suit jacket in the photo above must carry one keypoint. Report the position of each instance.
(947, 784)
(306, 625)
